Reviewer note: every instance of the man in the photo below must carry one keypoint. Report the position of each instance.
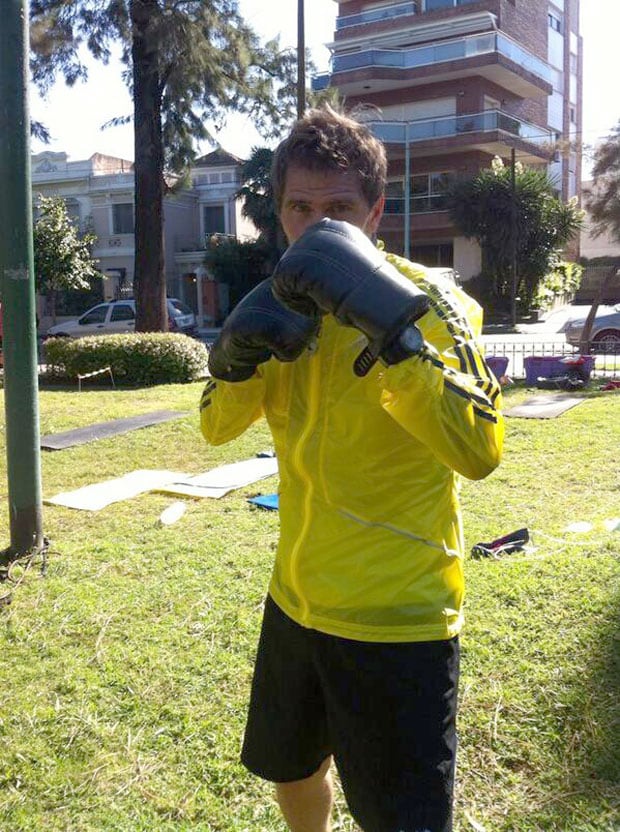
(358, 656)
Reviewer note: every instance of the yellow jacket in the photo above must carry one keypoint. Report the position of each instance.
(371, 542)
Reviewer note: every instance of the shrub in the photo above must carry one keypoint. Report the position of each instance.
(561, 282)
(140, 358)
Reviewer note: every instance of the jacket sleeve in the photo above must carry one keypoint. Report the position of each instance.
(227, 409)
(447, 397)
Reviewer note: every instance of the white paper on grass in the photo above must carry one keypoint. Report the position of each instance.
(173, 513)
(220, 481)
(101, 494)
(214, 484)
(579, 526)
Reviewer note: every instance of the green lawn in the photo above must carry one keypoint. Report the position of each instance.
(125, 670)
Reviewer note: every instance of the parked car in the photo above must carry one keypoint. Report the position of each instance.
(605, 335)
(120, 316)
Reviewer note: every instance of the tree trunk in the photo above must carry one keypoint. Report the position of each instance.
(149, 275)
(586, 332)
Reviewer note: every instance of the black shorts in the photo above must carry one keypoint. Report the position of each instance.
(386, 711)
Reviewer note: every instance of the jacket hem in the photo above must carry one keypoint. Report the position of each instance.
(367, 632)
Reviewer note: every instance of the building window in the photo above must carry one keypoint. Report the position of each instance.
(438, 254)
(395, 197)
(573, 115)
(214, 219)
(73, 210)
(122, 218)
(555, 22)
(434, 5)
(431, 5)
(428, 191)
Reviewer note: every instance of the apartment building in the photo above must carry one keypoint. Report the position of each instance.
(454, 83)
(99, 194)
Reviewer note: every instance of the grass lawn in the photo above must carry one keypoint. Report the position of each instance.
(125, 670)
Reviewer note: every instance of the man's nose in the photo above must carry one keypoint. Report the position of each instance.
(314, 217)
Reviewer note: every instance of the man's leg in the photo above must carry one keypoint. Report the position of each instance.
(392, 714)
(307, 804)
(287, 738)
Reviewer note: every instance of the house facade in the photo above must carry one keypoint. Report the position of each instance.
(99, 194)
(449, 84)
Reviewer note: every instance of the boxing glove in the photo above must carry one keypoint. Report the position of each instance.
(257, 328)
(336, 267)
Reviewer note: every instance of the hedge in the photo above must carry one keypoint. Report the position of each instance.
(140, 358)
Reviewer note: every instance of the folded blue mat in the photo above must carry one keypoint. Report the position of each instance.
(269, 501)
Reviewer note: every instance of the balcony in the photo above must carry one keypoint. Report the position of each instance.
(397, 10)
(376, 15)
(491, 131)
(492, 55)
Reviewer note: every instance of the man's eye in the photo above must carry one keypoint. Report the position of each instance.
(340, 208)
(300, 208)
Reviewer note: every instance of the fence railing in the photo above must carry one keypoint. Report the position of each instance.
(548, 357)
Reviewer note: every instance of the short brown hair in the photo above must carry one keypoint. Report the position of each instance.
(326, 140)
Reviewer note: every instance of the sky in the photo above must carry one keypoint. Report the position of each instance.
(74, 115)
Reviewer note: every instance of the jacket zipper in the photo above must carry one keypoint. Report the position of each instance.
(298, 462)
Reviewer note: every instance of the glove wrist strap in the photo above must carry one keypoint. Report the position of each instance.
(408, 342)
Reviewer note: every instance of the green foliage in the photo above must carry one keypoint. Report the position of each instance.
(603, 198)
(208, 62)
(329, 95)
(135, 358)
(258, 202)
(482, 207)
(62, 257)
(187, 65)
(74, 302)
(562, 281)
(239, 264)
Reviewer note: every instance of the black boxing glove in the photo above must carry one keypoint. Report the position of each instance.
(335, 266)
(257, 328)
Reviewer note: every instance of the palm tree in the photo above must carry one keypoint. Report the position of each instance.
(258, 202)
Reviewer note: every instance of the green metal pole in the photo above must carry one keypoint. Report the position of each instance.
(301, 60)
(17, 286)
(513, 238)
(407, 218)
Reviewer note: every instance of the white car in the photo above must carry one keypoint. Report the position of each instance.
(605, 335)
(118, 316)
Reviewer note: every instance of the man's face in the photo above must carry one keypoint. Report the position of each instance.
(309, 196)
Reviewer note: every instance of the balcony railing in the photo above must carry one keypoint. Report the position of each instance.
(436, 5)
(428, 204)
(440, 52)
(401, 132)
(375, 15)
(397, 10)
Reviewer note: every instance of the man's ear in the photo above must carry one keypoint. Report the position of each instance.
(374, 217)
